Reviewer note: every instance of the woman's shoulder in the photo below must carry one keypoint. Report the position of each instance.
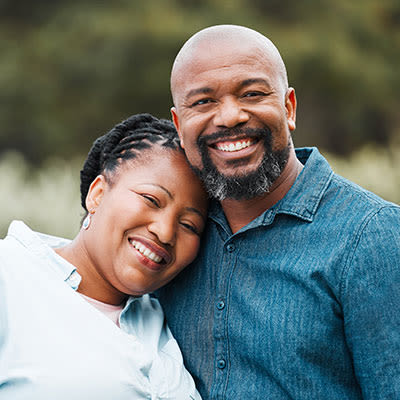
(10, 245)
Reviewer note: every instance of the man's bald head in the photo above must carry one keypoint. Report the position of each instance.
(233, 110)
(214, 39)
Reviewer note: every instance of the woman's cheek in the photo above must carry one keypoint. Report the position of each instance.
(192, 249)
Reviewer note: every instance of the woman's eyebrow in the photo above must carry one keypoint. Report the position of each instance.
(161, 187)
(196, 211)
(190, 209)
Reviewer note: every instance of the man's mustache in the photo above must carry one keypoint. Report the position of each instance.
(227, 134)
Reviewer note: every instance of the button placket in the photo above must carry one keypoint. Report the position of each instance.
(221, 305)
(230, 247)
(221, 353)
(221, 364)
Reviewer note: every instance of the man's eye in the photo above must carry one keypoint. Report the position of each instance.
(201, 102)
(253, 94)
(152, 200)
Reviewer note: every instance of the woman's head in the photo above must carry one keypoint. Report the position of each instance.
(126, 141)
(147, 208)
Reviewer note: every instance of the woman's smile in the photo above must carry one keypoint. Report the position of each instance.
(150, 254)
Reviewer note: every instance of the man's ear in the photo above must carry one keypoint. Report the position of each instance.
(291, 105)
(175, 119)
(95, 192)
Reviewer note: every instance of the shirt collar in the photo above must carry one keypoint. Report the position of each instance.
(303, 198)
(305, 195)
(42, 246)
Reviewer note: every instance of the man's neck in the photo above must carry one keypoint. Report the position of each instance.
(239, 213)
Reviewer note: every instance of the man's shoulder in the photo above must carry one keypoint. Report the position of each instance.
(352, 196)
(353, 210)
(339, 191)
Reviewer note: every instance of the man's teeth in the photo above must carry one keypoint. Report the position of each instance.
(233, 146)
(146, 251)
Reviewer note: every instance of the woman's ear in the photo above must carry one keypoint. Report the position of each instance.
(95, 192)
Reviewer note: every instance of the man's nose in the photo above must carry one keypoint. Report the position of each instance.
(230, 113)
(164, 227)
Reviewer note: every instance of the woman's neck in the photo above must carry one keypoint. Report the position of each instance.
(92, 283)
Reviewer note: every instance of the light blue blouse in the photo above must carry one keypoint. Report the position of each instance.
(55, 345)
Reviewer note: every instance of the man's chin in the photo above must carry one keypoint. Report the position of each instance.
(243, 173)
(234, 187)
(241, 179)
(238, 166)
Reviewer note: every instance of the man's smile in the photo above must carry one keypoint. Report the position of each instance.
(235, 148)
(234, 145)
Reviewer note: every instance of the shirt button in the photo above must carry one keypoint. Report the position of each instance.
(230, 247)
(221, 364)
(221, 305)
(74, 279)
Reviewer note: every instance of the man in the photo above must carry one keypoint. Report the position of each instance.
(296, 290)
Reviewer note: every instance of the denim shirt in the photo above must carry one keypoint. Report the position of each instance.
(302, 303)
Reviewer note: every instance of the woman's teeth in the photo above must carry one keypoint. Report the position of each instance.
(233, 146)
(146, 251)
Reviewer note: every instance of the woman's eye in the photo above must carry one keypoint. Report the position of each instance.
(152, 200)
(191, 228)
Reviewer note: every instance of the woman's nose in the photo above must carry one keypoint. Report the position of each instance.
(164, 227)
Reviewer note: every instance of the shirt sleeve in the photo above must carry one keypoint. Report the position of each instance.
(174, 381)
(371, 304)
(168, 376)
(3, 307)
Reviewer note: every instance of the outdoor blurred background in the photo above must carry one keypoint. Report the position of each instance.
(70, 70)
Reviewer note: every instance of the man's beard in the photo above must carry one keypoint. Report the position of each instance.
(244, 186)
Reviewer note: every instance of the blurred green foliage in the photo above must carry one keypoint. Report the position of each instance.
(70, 70)
(48, 199)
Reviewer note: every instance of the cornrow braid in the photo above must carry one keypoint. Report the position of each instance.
(124, 142)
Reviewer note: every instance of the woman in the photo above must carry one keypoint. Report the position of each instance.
(75, 319)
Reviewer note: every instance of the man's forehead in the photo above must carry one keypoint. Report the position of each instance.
(221, 46)
(242, 63)
(215, 56)
(223, 34)
(219, 52)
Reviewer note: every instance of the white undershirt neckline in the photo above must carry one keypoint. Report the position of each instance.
(109, 310)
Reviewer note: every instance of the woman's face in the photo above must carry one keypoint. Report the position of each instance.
(147, 223)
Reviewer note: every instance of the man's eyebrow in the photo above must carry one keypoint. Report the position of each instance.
(246, 82)
(250, 81)
(202, 90)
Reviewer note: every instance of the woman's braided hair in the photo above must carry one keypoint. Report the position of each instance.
(124, 142)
